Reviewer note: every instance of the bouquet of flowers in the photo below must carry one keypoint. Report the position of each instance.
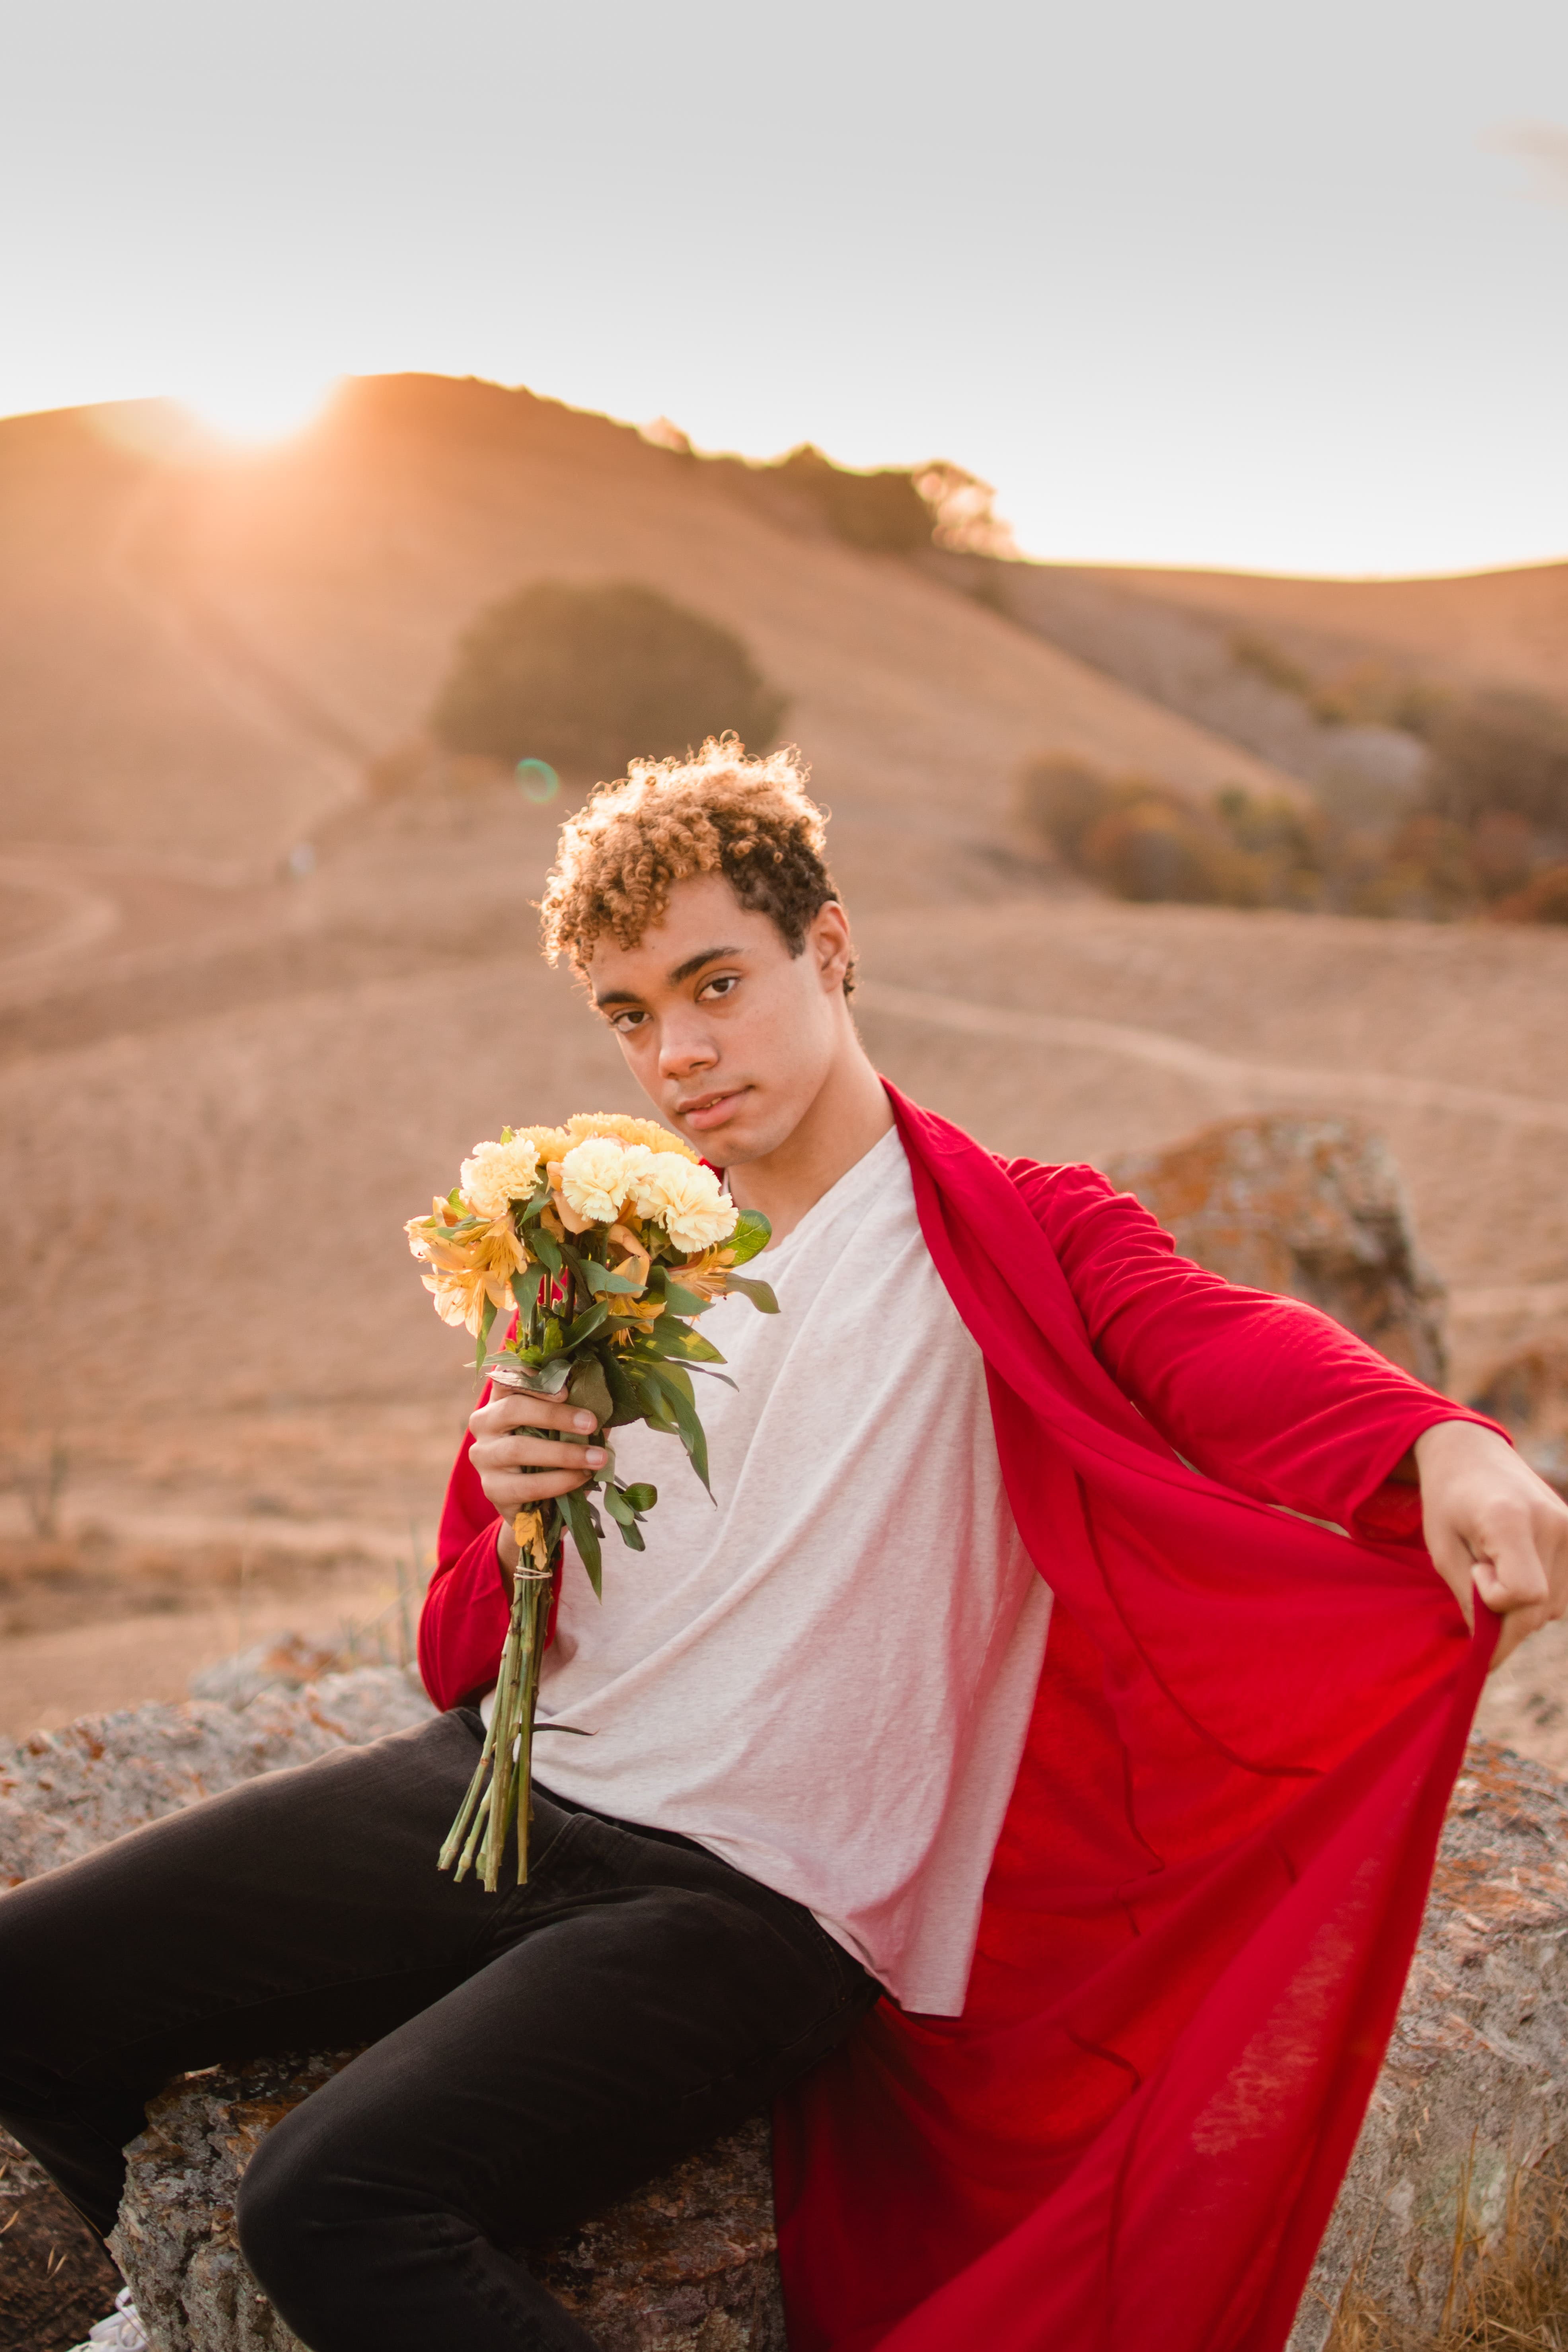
(607, 1236)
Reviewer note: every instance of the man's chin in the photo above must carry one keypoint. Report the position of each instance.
(734, 1138)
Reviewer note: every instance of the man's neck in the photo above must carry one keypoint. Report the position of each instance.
(850, 1113)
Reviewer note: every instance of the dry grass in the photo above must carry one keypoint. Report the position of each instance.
(1511, 2292)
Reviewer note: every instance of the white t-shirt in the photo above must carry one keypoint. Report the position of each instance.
(826, 1674)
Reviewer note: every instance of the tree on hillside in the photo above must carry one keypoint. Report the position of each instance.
(590, 678)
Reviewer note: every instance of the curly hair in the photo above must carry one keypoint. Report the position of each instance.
(719, 812)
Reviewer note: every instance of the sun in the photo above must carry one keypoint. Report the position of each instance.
(253, 406)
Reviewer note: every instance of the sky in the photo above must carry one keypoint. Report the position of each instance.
(1241, 283)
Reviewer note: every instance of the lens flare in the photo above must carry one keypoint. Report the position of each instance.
(252, 407)
(537, 781)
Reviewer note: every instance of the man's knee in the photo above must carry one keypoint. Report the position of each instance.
(283, 2203)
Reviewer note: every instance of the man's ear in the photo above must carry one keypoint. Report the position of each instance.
(829, 942)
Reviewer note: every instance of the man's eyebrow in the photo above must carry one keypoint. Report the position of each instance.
(682, 972)
(695, 963)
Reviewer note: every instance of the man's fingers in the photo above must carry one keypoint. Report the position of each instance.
(1509, 1570)
(1456, 1566)
(517, 1411)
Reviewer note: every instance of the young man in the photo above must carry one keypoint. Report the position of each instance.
(1010, 1675)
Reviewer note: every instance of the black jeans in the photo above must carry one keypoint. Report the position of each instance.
(535, 2054)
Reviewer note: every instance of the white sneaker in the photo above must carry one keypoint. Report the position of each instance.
(121, 2332)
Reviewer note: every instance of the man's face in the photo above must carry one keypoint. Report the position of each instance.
(725, 1031)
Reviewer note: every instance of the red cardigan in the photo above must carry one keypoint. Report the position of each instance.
(1203, 1901)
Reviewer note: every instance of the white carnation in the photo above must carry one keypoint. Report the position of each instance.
(686, 1199)
(497, 1174)
(597, 1174)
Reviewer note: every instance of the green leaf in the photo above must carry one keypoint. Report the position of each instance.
(617, 1506)
(686, 1421)
(553, 1342)
(757, 1292)
(545, 1249)
(751, 1234)
(652, 1405)
(589, 1389)
(625, 1400)
(602, 1278)
(632, 1537)
(587, 1323)
(669, 1337)
(685, 1302)
(579, 1517)
(642, 1497)
(487, 1317)
(525, 1289)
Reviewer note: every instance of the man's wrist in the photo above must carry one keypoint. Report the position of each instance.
(506, 1554)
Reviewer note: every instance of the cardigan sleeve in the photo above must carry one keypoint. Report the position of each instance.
(1267, 1394)
(462, 1626)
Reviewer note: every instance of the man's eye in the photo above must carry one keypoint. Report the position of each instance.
(721, 985)
(626, 1024)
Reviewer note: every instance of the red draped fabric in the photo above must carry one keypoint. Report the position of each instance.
(1204, 1898)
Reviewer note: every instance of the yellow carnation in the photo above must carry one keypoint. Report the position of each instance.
(597, 1174)
(686, 1199)
(645, 1131)
(497, 1174)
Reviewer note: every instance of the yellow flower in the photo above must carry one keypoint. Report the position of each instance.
(645, 1131)
(707, 1275)
(497, 1174)
(467, 1268)
(597, 1174)
(686, 1199)
(549, 1142)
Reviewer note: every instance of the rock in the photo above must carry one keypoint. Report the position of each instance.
(1311, 1208)
(61, 1794)
(688, 2265)
(1528, 1394)
(1475, 2087)
(64, 1792)
(287, 1663)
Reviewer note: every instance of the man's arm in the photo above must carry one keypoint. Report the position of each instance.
(1278, 1401)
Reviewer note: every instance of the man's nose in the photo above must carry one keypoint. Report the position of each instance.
(685, 1045)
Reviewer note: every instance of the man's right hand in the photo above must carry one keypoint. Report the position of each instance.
(520, 1464)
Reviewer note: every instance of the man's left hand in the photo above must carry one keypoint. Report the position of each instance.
(1493, 1528)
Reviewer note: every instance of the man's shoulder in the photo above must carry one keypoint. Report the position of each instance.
(1060, 1187)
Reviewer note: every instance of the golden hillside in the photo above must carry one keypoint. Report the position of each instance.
(224, 1084)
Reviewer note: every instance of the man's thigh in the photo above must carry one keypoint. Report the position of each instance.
(655, 1999)
(303, 1906)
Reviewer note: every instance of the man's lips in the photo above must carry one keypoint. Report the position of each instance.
(711, 1109)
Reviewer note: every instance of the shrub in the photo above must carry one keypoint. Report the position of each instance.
(1502, 750)
(1145, 842)
(590, 678)
(883, 511)
(1544, 900)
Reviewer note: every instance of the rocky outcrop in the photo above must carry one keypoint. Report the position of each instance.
(1528, 1394)
(1474, 2090)
(61, 1794)
(64, 1792)
(688, 2265)
(1311, 1208)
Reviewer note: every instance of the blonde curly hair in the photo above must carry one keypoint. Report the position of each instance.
(718, 812)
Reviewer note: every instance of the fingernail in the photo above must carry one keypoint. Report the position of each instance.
(583, 1419)
(593, 1454)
